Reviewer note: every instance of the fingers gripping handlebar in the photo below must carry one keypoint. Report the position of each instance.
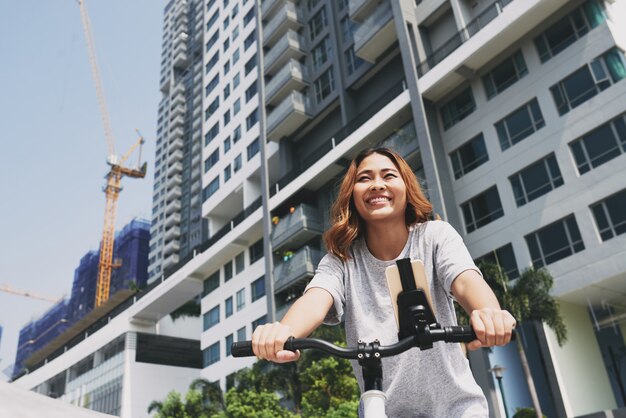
(452, 334)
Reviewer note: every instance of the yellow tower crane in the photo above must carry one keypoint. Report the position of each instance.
(114, 176)
(8, 289)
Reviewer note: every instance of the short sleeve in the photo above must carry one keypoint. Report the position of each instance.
(329, 276)
(451, 255)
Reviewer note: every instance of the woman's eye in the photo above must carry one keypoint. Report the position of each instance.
(390, 175)
(364, 178)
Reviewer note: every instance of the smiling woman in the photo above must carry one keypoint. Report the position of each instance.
(381, 215)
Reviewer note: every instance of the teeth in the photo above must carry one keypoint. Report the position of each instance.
(378, 199)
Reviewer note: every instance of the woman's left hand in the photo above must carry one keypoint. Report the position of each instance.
(492, 327)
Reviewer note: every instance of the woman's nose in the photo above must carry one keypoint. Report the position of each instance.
(377, 184)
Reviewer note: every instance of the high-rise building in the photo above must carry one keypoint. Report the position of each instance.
(510, 112)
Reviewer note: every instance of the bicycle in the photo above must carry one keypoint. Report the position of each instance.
(417, 328)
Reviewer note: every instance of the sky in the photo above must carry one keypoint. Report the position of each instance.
(52, 143)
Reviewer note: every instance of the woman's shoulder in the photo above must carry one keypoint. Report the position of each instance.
(433, 229)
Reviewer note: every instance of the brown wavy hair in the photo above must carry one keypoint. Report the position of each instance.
(347, 224)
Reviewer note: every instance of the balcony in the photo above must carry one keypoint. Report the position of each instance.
(178, 108)
(269, 7)
(178, 121)
(175, 157)
(172, 219)
(289, 47)
(178, 94)
(286, 18)
(176, 144)
(174, 169)
(299, 267)
(181, 59)
(171, 247)
(177, 133)
(180, 39)
(174, 180)
(360, 9)
(172, 233)
(166, 81)
(173, 206)
(297, 228)
(288, 116)
(173, 193)
(375, 34)
(293, 76)
(170, 260)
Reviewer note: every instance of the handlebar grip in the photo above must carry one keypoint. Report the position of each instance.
(242, 349)
(459, 334)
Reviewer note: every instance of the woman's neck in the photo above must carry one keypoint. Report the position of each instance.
(386, 241)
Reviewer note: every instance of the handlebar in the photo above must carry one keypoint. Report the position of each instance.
(451, 334)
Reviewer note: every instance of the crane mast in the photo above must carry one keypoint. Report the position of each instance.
(114, 176)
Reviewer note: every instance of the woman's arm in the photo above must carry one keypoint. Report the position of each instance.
(493, 326)
(306, 314)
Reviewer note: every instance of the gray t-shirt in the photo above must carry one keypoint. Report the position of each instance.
(430, 383)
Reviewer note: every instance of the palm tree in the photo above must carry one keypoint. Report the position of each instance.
(212, 395)
(528, 298)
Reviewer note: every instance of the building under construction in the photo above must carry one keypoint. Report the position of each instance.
(130, 253)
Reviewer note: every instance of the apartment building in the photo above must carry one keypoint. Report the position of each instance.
(510, 112)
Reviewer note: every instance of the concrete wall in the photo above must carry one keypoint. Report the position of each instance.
(579, 366)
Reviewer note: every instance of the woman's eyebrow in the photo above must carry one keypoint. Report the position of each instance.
(360, 173)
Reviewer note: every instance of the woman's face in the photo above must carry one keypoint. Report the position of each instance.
(379, 192)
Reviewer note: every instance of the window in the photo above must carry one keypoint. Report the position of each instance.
(226, 92)
(536, 180)
(553, 242)
(347, 28)
(610, 215)
(211, 283)
(318, 23)
(240, 262)
(256, 251)
(469, 156)
(250, 65)
(226, 145)
(227, 173)
(236, 106)
(601, 145)
(321, 53)
(211, 86)
(228, 271)
(226, 67)
(211, 355)
(241, 299)
(251, 92)
(503, 257)
(248, 17)
(257, 288)
(241, 334)
(209, 190)
(352, 61)
(570, 28)
(211, 160)
(589, 80)
(235, 33)
(212, 20)
(212, 62)
(237, 134)
(235, 56)
(236, 80)
(212, 133)
(237, 163)
(505, 75)
(519, 124)
(261, 321)
(215, 104)
(247, 43)
(235, 10)
(482, 209)
(228, 307)
(226, 22)
(226, 44)
(211, 318)
(212, 40)
(253, 148)
(228, 342)
(458, 108)
(324, 85)
(252, 119)
(226, 117)
(311, 4)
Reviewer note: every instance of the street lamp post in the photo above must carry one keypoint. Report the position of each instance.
(498, 372)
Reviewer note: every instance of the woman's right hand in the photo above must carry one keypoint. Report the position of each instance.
(268, 341)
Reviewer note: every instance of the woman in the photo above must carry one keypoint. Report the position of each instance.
(381, 215)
